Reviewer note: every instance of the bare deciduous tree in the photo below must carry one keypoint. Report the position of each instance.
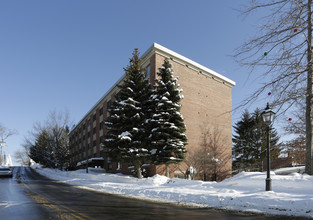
(4, 134)
(283, 51)
(295, 148)
(21, 156)
(211, 157)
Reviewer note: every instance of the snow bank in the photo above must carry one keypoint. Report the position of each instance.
(291, 195)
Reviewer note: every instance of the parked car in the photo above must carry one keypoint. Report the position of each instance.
(6, 171)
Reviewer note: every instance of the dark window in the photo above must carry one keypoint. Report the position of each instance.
(101, 125)
(94, 130)
(109, 104)
(147, 71)
(101, 111)
(94, 117)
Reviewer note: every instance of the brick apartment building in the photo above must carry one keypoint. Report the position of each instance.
(206, 106)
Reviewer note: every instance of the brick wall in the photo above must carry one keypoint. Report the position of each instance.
(207, 104)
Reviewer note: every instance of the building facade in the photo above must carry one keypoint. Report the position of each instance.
(206, 108)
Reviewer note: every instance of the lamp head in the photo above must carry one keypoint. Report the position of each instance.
(268, 115)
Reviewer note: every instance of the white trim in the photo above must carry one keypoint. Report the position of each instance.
(185, 59)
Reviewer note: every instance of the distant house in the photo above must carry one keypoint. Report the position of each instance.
(207, 104)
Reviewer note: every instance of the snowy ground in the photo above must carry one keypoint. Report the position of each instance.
(292, 194)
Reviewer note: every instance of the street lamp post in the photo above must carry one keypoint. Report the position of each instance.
(268, 117)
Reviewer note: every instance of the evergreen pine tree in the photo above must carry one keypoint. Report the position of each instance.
(60, 141)
(250, 142)
(167, 138)
(242, 141)
(126, 129)
(42, 152)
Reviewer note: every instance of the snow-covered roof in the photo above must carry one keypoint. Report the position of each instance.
(163, 50)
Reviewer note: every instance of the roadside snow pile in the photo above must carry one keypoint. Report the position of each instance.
(292, 194)
(289, 170)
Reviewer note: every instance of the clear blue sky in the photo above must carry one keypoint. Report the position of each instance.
(57, 55)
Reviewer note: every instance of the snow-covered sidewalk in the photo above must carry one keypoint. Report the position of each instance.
(292, 194)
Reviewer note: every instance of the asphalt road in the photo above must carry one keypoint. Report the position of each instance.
(30, 196)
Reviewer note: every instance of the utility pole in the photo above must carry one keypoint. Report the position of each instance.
(2, 152)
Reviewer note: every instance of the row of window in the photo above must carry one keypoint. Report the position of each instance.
(94, 118)
(78, 144)
(78, 150)
(94, 131)
(82, 156)
(109, 103)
